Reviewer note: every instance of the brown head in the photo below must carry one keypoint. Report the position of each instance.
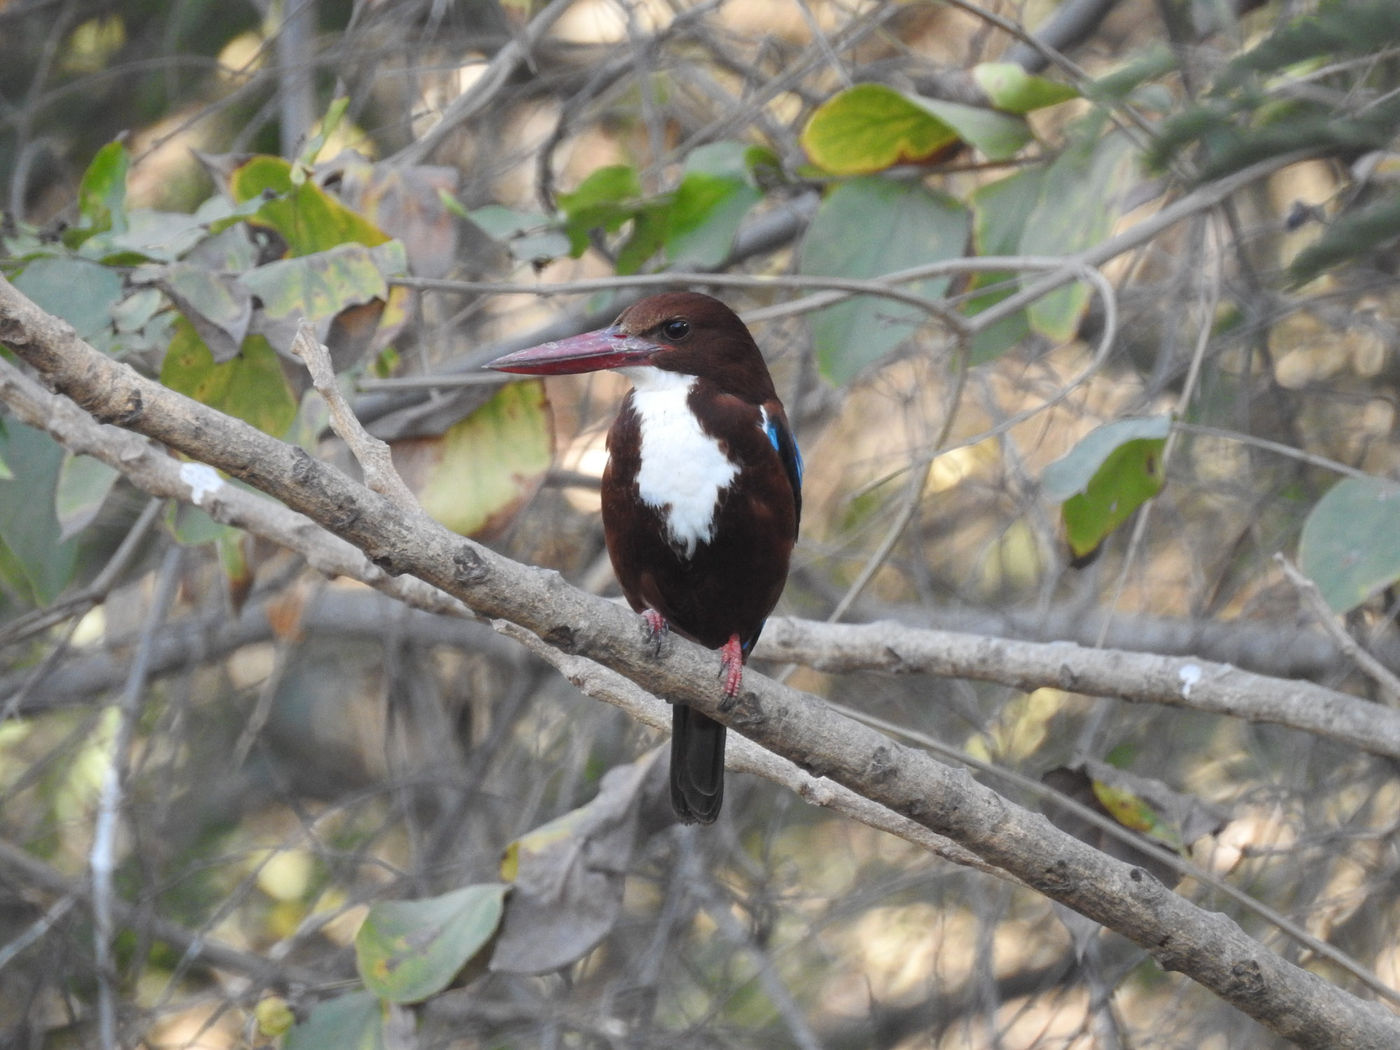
(683, 332)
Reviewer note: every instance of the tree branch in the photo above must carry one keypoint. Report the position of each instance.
(1141, 677)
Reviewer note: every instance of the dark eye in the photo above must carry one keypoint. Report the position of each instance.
(676, 330)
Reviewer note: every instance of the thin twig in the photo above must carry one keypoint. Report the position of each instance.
(484, 88)
(1311, 459)
(43, 618)
(741, 938)
(910, 501)
(102, 858)
(37, 928)
(20, 866)
(371, 453)
(1366, 663)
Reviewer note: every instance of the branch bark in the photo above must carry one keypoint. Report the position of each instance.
(1140, 677)
(1208, 947)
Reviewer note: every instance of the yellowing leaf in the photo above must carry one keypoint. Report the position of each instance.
(1134, 812)
(324, 283)
(251, 387)
(478, 473)
(871, 127)
(307, 217)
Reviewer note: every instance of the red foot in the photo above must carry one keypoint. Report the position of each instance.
(656, 627)
(731, 666)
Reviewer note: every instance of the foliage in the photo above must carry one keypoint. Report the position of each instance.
(1106, 477)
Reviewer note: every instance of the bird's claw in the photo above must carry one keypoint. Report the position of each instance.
(731, 668)
(656, 628)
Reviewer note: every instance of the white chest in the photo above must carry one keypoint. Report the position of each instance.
(683, 470)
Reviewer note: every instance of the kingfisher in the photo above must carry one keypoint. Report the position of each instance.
(702, 494)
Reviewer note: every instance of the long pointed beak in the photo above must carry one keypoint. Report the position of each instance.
(590, 352)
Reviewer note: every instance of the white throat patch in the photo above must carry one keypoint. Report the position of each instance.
(683, 469)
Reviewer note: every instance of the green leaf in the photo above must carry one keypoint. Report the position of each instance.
(648, 233)
(606, 186)
(192, 527)
(354, 1021)
(163, 236)
(709, 205)
(83, 486)
(1011, 89)
(483, 469)
(1347, 546)
(308, 219)
(143, 322)
(251, 387)
(1000, 211)
(102, 192)
(35, 562)
(219, 307)
(231, 250)
(529, 236)
(82, 293)
(1153, 61)
(1073, 472)
(1107, 476)
(603, 201)
(1079, 202)
(407, 951)
(999, 136)
(323, 284)
(1330, 32)
(871, 127)
(866, 228)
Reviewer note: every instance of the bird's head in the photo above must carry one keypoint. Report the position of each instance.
(684, 333)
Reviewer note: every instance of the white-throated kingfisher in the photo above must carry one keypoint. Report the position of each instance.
(702, 494)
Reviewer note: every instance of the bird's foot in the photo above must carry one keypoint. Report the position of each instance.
(731, 668)
(656, 628)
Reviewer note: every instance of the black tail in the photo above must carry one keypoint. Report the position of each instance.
(697, 765)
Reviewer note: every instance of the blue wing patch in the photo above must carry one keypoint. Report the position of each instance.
(770, 427)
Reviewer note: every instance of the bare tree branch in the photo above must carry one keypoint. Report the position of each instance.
(1142, 677)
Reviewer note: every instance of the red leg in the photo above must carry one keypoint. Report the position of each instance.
(656, 627)
(732, 666)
